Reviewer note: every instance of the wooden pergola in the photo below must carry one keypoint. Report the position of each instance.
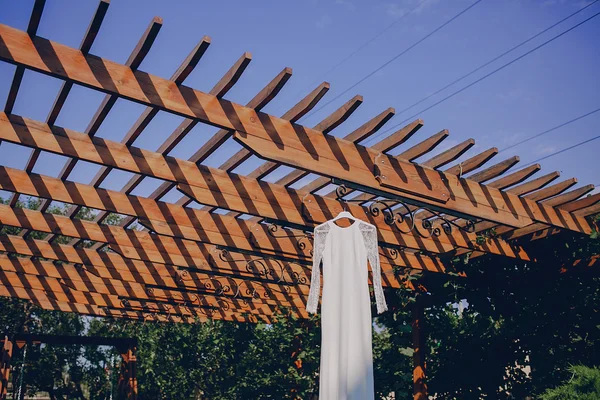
(248, 263)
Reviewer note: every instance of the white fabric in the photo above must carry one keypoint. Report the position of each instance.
(346, 371)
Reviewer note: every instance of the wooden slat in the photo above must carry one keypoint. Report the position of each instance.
(276, 139)
(339, 116)
(534, 184)
(516, 177)
(109, 294)
(149, 113)
(32, 27)
(449, 155)
(213, 187)
(232, 76)
(569, 196)
(267, 94)
(275, 275)
(133, 62)
(424, 147)
(159, 248)
(48, 300)
(552, 190)
(361, 133)
(84, 47)
(582, 203)
(472, 163)
(494, 171)
(38, 274)
(560, 200)
(370, 127)
(335, 119)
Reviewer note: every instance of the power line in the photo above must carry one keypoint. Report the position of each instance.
(394, 58)
(563, 150)
(495, 58)
(550, 130)
(485, 76)
(365, 44)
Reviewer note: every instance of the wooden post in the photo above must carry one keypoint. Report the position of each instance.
(5, 358)
(419, 386)
(127, 386)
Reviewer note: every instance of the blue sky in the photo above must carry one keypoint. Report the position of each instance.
(552, 85)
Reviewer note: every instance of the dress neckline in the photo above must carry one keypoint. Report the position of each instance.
(341, 227)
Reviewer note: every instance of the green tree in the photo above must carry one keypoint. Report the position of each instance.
(584, 384)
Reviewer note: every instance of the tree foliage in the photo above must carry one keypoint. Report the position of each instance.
(584, 384)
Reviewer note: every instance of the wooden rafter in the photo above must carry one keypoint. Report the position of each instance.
(269, 136)
(179, 267)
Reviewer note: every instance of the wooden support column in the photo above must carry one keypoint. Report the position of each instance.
(5, 358)
(419, 386)
(127, 379)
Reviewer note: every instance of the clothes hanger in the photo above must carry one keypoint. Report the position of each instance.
(344, 214)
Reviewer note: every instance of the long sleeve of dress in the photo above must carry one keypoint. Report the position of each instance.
(320, 236)
(370, 237)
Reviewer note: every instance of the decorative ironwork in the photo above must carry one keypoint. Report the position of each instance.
(390, 253)
(302, 239)
(404, 217)
(211, 285)
(260, 267)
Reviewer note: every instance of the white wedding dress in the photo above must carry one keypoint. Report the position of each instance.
(346, 371)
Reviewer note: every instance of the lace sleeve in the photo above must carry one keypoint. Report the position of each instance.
(370, 237)
(320, 235)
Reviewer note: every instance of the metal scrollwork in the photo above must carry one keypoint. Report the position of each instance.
(404, 217)
(266, 268)
(301, 238)
(446, 225)
(390, 253)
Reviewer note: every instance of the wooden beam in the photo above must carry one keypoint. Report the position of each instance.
(149, 113)
(65, 89)
(424, 147)
(6, 353)
(230, 269)
(361, 133)
(34, 23)
(552, 190)
(133, 62)
(494, 171)
(472, 163)
(279, 140)
(553, 201)
(516, 177)
(13, 272)
(46, 300)
(329, 123)
(384, 145)
(449, 155)
(176, 251)
(534, 184)
(218, 188)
